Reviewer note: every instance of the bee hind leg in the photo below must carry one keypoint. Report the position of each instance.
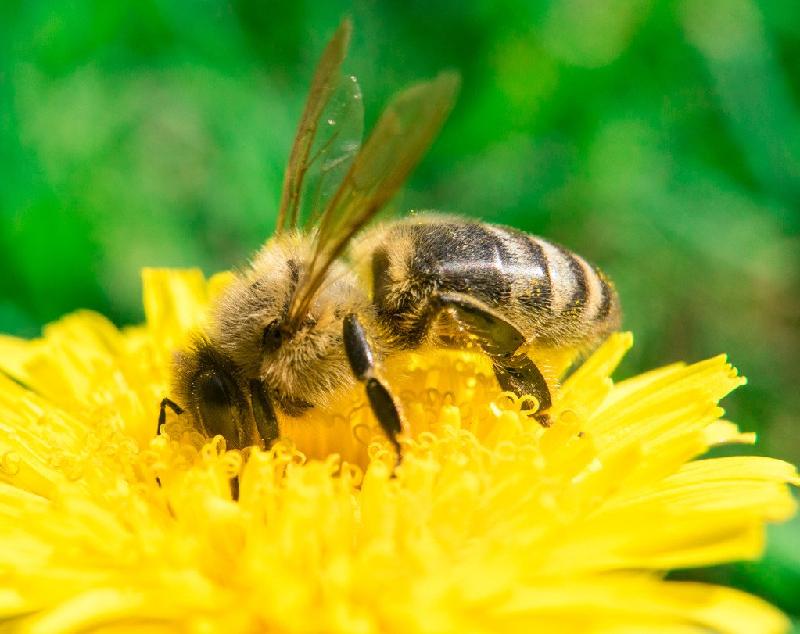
(362, 363)
(517, 373)
(501, 340)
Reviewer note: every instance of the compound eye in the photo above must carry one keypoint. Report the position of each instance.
(216, 407)
(272, 338)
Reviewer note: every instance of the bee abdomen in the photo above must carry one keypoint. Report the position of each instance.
(583, 300)
(547, 291)
(552, 292)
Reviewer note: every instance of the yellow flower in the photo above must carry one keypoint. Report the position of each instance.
(491, 524)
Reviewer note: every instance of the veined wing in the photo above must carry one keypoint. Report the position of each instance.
(328, 135)
(402, 134)
(336, 145)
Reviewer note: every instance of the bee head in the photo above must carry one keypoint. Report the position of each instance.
(219, 400)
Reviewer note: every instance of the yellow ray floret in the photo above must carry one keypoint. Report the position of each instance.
(491, 524)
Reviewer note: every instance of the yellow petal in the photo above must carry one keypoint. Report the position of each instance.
(491, 523)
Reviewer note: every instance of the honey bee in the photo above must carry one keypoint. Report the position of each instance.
(321, 306)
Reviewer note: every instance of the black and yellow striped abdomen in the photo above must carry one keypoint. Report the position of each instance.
(549, 293)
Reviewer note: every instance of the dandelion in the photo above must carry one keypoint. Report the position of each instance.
(492, 523)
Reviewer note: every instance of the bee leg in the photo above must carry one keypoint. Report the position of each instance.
(162, 413)
(162, 417)
(362, 362)
(264, 413)
(501, 340)
(517, 373)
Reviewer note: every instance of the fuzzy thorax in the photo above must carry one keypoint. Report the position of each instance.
(308, 364)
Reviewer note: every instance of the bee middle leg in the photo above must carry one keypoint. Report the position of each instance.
(501, 340)
(362, 362)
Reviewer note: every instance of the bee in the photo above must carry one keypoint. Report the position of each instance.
(322, 305)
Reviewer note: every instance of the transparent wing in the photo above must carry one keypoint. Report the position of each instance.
(404, 131)
(336, 144)
(327, 78)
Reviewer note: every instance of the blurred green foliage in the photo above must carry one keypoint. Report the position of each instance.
(660, 139)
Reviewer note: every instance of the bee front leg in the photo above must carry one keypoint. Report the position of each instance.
(362, 362)
(162, 412)
(263, 414)
(501, 340)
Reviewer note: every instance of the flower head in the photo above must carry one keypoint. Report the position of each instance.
(491, 523)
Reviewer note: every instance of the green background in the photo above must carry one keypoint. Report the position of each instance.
(661, 140)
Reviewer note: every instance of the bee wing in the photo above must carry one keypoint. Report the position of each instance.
(328, 135)
(403, 132)
(336, 145)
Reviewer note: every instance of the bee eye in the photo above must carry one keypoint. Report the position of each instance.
(216, 407)
(272, 338)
